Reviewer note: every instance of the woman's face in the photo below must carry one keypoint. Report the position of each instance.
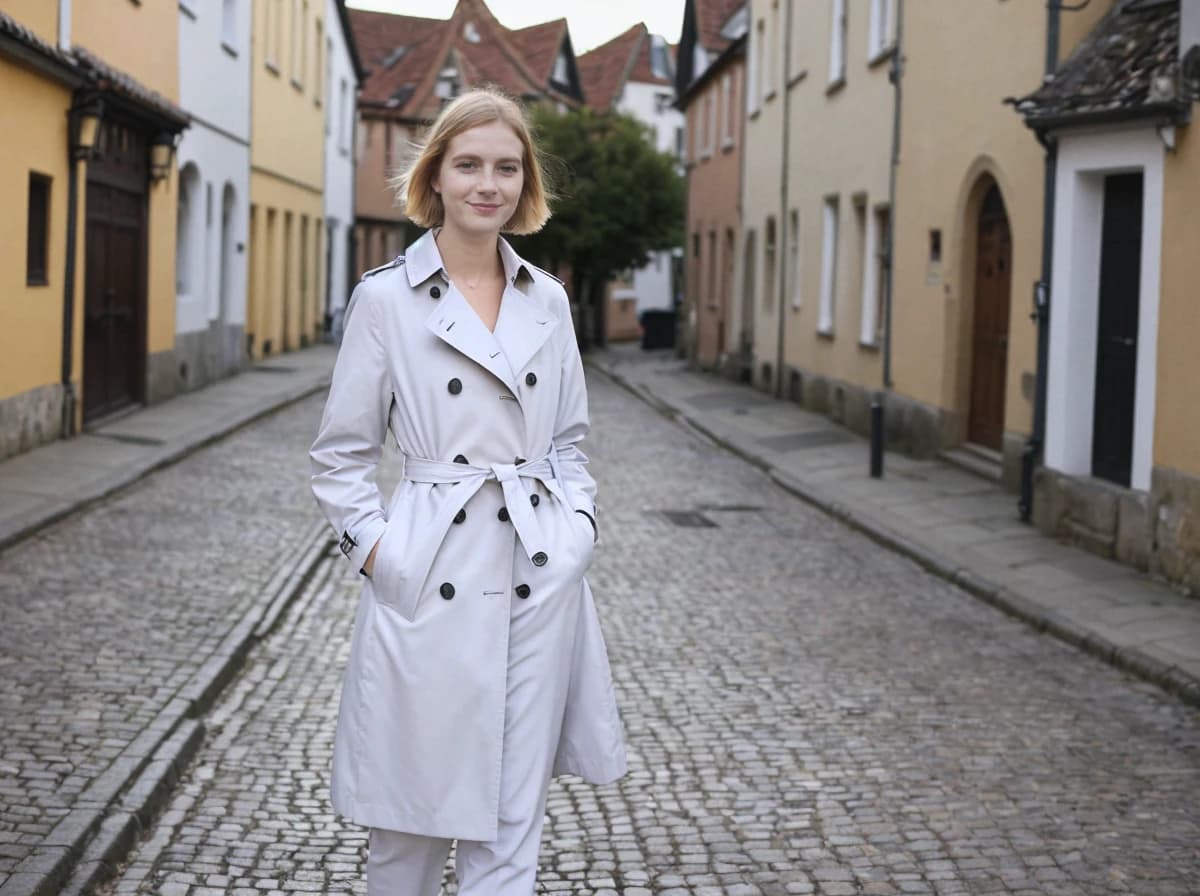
(480, 178)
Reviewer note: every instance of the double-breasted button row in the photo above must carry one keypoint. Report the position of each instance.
(461, 516)
(455, 385)
(522, 591)
(447, 590)
(435, 292)
(503, 515)
(531, 379)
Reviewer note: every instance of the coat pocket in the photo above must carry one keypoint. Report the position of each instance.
(391, 579)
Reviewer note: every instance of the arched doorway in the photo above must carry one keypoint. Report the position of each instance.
(989, 328)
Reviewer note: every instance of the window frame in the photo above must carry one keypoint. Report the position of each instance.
(37, 251)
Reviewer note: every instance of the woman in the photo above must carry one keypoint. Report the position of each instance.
(477, 667)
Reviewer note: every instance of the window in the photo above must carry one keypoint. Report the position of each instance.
(829, 254)
(837, 43)
(272, 14)
(713, 113)
(875, 276)
(706, 137)
(882, 35)
(794, 258)
(680, 147)
(770, 52)
(229, 24)
(756, 41)
(346, 112)
(769, 271)
(37, 231)
(727, 107)
(562, 71)
(318, 63)
(861, 282)
(764, 62)
(660, 61)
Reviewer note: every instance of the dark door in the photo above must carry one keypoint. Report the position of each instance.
(989, 339)
(112, 299)
(1116, 338)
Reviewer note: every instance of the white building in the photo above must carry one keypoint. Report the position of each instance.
(345, 73)
(634, 74)
(214, 189)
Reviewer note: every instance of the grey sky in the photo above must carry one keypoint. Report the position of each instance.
(592, 22)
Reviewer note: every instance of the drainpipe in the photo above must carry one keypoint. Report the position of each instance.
(1032, 452)
(895, 75)
(70, 399)
(782, 229)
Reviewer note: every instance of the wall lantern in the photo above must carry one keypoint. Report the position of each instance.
(162, 155)
(86, 132)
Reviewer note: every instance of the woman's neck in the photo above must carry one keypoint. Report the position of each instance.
(469, 256)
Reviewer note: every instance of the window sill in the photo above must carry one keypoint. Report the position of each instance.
(272, 68)
(706, 155)
(727, 145)
(880, 56)
(825, 333)
(753, 115)
(870, 347)
(296, 85)
(769, 95)
(834, 86)
(797, 78)
(231, 49)
(35, 281)
(187, 9)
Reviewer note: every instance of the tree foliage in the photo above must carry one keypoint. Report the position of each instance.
(618, 200)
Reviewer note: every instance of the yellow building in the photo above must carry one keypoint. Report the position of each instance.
(1121, 453)
(87, 273)
(284, 305)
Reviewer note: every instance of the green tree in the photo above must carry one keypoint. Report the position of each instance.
(619, 200)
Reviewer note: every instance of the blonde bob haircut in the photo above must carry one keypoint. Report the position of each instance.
(414, 184)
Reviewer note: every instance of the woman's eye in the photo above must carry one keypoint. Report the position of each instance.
(465, 165)
(509, 169)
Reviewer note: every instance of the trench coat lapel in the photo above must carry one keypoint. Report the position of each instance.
(455, 322)
(525, 321)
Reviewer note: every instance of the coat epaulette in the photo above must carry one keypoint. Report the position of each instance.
(394, 263)
(547, 273)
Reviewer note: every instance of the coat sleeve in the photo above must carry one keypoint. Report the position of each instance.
(345, 456)
(571, 426)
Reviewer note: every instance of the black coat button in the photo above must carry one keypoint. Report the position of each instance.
(455, 386)
(540, 558)
(447, 590)
(531, 379)
(435, 292)
(459, 459)
(503, 515)
(535, 500)
(522, 591)
(460, 516)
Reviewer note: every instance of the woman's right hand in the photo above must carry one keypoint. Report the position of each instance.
(369, 566)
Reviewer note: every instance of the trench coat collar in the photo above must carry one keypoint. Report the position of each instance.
(524, 324)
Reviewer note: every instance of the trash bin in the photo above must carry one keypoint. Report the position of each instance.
(658, 328)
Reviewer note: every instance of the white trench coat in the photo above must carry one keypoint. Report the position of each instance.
(489, 424)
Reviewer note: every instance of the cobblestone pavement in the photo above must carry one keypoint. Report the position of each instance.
(806, 713)
(107, 614)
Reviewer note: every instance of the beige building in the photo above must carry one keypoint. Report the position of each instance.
(87, 295)
(285, 308)
(711, 94)
(1121, 456)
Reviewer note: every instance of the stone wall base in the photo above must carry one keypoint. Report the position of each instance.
(160, 376)
(205, 356)
(30, 419)
(1156, 531)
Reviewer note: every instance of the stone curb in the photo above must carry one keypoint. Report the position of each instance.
(86, 846)
(55, 510)
(1171, 679)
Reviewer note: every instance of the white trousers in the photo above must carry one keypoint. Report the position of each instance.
(539, 648)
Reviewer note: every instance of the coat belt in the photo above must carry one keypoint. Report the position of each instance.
(466, 479)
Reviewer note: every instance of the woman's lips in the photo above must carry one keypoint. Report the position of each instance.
(484, 208)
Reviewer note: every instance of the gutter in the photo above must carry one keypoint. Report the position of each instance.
(895, 75)
(781, 256)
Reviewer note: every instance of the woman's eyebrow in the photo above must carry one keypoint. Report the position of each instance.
(476, 157)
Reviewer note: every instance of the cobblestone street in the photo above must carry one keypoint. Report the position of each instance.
(806, 712)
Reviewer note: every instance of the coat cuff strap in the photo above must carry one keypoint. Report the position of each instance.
(357, 545)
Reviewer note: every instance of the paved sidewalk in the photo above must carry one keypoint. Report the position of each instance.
(47, 483)
(952, 522)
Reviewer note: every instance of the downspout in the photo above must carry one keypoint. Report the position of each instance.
(70, 399)
(1032, 452)
(782, 230)
(895, 75)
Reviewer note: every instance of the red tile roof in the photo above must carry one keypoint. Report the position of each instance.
(405, 54)
(539, 45)
(711, 16)
(606, 69)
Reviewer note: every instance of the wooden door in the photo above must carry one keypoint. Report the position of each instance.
(1117, 331)
(989, 338)
(113, 302)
